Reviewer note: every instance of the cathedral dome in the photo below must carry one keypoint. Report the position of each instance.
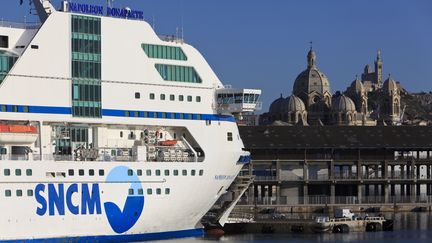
(343, 104)
(357, 86)
(311, 79)
(390, 85)
(295, 104)
(277, 106)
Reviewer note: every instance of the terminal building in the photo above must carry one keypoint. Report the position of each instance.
(295, 165)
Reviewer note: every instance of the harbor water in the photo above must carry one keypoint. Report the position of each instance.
(408, 228)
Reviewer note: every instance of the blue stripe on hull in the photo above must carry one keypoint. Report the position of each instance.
(121, 113)
(118, 238)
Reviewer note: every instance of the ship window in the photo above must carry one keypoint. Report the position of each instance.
(152, 96)
(7, 172)
(131, 191)
(189, 98)
(172, 97)
(34, 47)
(198, 99)
(137, 95)
(130, 172)
(167, 172)
(8, 193)
(71, 172)
(199, 117)
(18, 172)
(101, 172)
(91, 172)
(164, 52)
(146, 114)
(148, 172)
(149, 191)
(30, 193)
(14, 108)
(19, 193)
(121, 134)
(162, 96)
(181, 98)
(184, 172)
(81, 172)
(3, 108)
(28, 172)
(4, 41)
(25, 109)
(140, 191)
(175, 173)
(201, 172)
(229, 136)
(167, 191)
(126, 113)
(139, 172)
(158, 191)
(158, 172)
(178, 73)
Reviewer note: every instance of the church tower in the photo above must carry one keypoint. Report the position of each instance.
(378, 69)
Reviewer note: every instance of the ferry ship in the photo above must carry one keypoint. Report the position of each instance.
(109, 132)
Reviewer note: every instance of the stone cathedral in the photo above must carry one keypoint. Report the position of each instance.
(312, 102)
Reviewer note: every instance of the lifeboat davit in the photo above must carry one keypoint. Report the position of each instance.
(18, 134)
(168, 143)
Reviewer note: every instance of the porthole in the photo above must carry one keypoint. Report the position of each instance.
(101, 172)
(201, 172)
(29, 172)
(139, 172)
(158, 191)
(6, 172)
(131, 191)
(193, 172)
(18, 172)
(167, 191)
(91, 172)
(30, 193)
(19, 193)
(149, 191)
(8, 193)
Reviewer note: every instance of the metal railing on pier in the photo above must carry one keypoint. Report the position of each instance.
(337, 200)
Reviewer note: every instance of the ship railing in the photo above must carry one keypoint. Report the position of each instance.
(60, 157)
(171, 38)
(26, 25)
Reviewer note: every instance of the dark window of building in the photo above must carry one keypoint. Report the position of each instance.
(4, 41)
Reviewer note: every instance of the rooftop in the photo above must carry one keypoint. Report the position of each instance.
(347, 137)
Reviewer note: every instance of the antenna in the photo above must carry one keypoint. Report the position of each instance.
(182, 21)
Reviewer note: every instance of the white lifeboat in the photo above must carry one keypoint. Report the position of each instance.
(18, 134)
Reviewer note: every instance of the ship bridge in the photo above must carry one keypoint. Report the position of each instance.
(235, 100)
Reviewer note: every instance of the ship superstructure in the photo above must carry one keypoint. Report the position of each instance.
(108, 131)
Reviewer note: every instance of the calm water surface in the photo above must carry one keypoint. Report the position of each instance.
(409, 228)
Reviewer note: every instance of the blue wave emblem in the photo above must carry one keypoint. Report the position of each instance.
(121, 220)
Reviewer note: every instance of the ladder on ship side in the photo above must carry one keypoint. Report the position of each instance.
(220, 215)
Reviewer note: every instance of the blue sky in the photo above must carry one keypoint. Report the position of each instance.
(263, 43)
